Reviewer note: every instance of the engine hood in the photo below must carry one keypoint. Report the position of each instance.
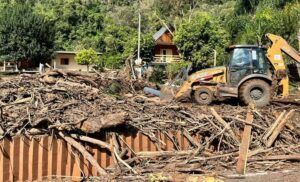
(207, 73)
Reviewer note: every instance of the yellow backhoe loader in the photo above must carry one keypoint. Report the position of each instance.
(254, 74)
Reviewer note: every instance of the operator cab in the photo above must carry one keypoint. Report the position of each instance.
(245, 60)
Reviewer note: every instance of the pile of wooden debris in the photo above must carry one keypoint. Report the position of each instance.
(75, 107)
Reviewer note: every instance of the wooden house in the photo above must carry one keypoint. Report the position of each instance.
(165, 49)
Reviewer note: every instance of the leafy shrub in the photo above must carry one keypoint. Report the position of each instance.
(174, 68)
(87, 57)
(158, 75)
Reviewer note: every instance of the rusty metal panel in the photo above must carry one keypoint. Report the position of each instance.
(46, 158)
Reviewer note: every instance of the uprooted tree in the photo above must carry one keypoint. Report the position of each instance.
(25, 35)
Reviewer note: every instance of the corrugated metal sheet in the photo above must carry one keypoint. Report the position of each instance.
(45, 158)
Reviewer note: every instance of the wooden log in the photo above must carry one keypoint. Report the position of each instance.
(92, 140)
(84, 152)
(214, 157)
(49, 79)
(1, 131)
(163, 153)
(95, 124)
(287, 101)
(190, 138)
(279, 128)
(124, 152)
(244, 147)
(19, 101)
(50, 73)
(123, 162)
(292, 157)
(245, 122)
(67, 84)
(274, 125)
(94, 84)
(225, 124)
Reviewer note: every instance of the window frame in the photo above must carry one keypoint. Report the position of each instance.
(64, 61)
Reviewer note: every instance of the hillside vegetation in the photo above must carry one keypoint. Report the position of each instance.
(110, 26)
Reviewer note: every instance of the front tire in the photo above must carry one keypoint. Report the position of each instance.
(255, 91)
(203, 96)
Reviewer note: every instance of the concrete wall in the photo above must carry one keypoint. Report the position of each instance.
(73, 65)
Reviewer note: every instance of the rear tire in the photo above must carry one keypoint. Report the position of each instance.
(255, 91)
(203, 96)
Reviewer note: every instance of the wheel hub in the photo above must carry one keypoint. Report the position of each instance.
(204, 96)
(256, 93)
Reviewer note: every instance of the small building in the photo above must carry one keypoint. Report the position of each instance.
(165, 50)
(6, 66)
(20, 66)
(66, 60)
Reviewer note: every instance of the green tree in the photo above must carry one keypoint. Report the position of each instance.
(25, 35)
(79, 24)
(87, 57)
(268, 18)
(246, 6)
(110, 27)
(173, 69)
(197, 39)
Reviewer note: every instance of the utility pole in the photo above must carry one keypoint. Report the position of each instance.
(138, 62)
(215, 58)
(139, 38)
(299, 38)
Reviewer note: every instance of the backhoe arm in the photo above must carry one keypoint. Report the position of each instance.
(280, 44)
(275, 56)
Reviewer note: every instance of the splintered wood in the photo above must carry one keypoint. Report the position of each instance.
(78, 108)
(244, 148)
(278, 128)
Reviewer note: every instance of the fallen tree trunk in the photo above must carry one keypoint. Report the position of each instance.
(293, 157)
(163, 153)
(95, 124)
(93, 141)
(83, 151)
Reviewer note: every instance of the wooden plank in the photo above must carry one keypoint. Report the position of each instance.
(274, 125)
(225, 124)
(279, 128)
(244, 147)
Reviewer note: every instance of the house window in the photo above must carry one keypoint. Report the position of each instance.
(64, 61)
(164, 52)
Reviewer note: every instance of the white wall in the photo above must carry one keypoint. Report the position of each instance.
(73, 65)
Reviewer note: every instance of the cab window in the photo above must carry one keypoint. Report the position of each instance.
(259, 62)
(241, 58)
